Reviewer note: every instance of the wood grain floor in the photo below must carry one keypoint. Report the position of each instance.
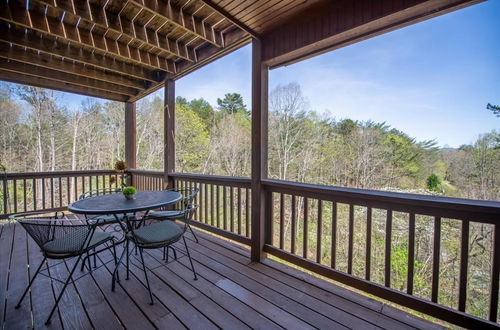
(231, 293)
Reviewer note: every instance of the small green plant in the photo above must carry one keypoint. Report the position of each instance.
(129, 191)
(433, 183)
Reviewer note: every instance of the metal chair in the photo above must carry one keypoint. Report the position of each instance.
(160, 234)
(58, 240)
(185, 204)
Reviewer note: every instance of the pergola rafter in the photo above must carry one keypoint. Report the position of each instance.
(125, 28)
(29, 18)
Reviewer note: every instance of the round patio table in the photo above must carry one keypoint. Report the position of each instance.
(118, 204)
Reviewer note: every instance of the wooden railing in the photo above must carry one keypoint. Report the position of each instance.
(369, 240)
(316, 227)
(50, 191)
(224, 202)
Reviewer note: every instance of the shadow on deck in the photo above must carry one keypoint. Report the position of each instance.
(231, 293)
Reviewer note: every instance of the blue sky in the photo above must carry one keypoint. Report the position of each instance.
(431, 80)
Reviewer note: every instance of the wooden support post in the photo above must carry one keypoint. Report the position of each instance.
(169, 132)
(130, 137)
(259, 150)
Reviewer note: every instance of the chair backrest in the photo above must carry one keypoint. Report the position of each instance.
(44, 229)
(189, 212)
(188, 195)
(97, 192)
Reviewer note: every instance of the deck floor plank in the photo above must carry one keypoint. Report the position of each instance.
(231, 293)
(287, 283)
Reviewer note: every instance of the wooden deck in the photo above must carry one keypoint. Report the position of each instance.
(231, 293)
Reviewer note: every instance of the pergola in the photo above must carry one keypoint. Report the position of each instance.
(124, 50)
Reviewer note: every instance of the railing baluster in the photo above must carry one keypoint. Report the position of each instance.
(231, 208)
(15, 195)
(435, 259)
(68, 190)
(411, 252)
(282, 221)
(239, 211)
(247, 212)
(334, 235)
(305, 229)
(368, 256)
(224, 207)
(495, 273)
(52, 192)
(464, 262)
(43, 193)
(59, 190)
(205, 202)
(34, 195)
(212, 208)
(319, 231)
(25, 201)
(388, 247)
(294, 224)
(5, 192)
(350, 241)
(218, 205)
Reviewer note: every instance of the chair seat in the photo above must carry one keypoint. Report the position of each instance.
(72, 244)
(157, 234)
(169, 214)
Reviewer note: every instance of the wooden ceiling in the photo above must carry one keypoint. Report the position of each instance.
(124, 49)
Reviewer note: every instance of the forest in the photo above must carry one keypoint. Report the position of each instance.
(39, 133)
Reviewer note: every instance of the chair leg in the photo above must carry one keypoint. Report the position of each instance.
(146, 276)
(115, 272)
(189, 256)
(175, 252)
(70, 277)
(192, 232)
(31, 282)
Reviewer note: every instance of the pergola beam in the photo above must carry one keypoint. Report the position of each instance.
(119, 24)
(189, 23)
(60, 86)
(13, 13)
(57, 63)
(36, 71)
(30, 40)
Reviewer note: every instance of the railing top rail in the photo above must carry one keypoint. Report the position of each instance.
(366, 197)
(146, 172)
(239, 181)
(32, 175)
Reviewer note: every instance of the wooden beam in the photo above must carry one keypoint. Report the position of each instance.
(36, 71)
(182, 20)
(65, 87)
(57, 63)
(13, 13)
(169, 131)
(231, 18)
(33, 41)
(130, 135)
(331, 25)
(260, 75)
(119, 24)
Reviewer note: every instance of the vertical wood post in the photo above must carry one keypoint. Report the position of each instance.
(169, 132)
(130, 137)
(259, 149)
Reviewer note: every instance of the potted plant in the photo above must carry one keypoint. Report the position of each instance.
(129, 192)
